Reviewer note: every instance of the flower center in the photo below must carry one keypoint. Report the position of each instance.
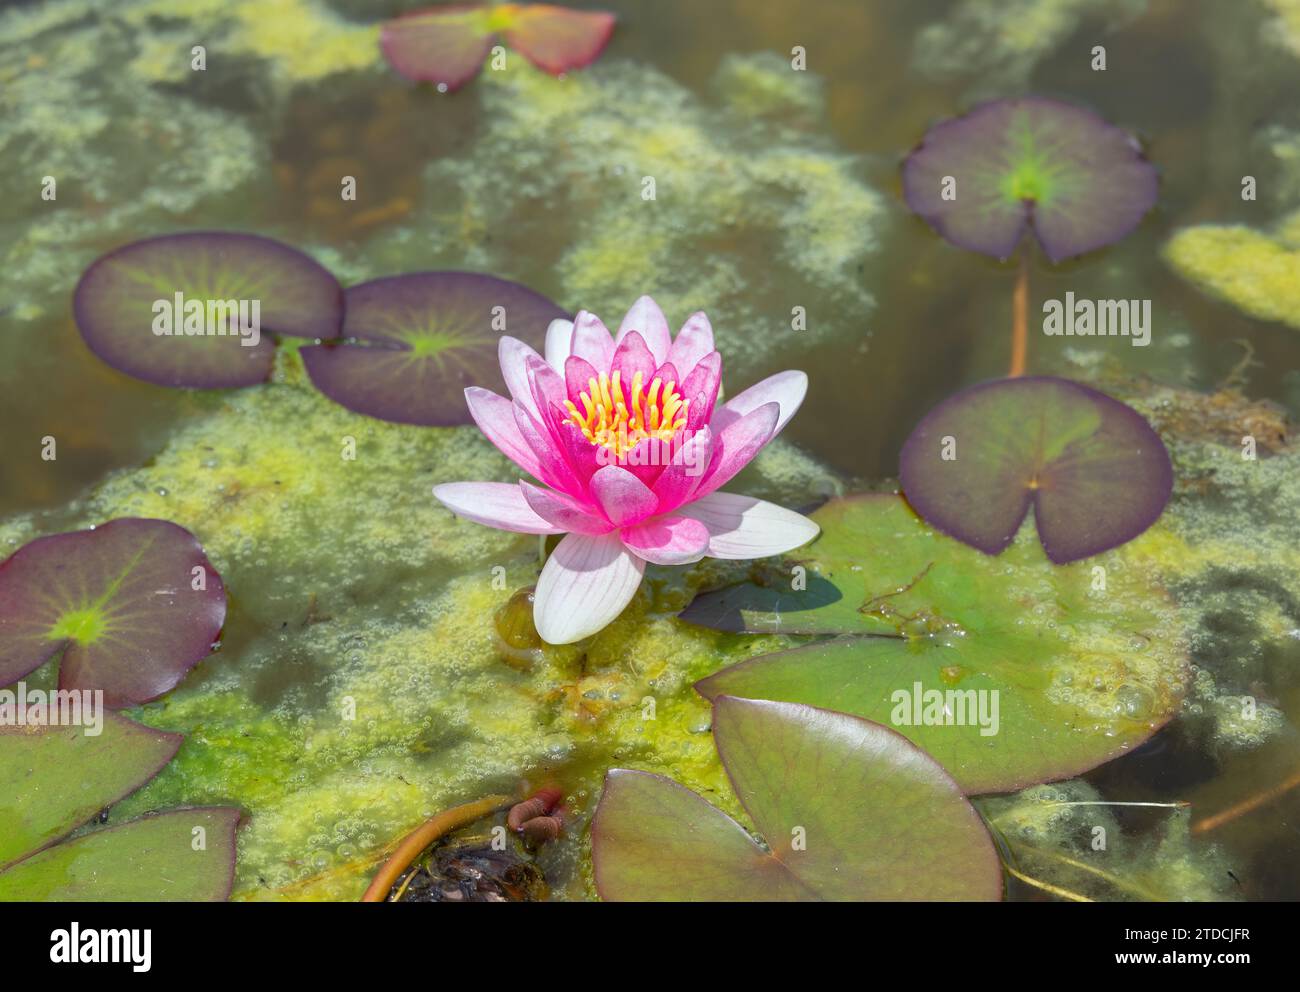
(608, 419)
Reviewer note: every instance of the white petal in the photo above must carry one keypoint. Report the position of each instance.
(513, 355)
(559, 343)
(592, 341)
(493, 504)
(744, 527)
(586, 583)
(785, 388)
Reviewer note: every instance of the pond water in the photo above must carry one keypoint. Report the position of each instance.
(773, 192)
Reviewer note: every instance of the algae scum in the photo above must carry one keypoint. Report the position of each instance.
(378, 662)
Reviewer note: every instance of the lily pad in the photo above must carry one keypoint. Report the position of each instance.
(847, 810)
(1009, 671)
(192, 286)
(132, 605)
(557, 39)
(447, 45)
(1092, 468)
(983, 179)
(413, 343)
(55, 776)
(152, 859)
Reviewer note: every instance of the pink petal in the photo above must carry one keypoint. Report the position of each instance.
(564, 511)
(583, 457)
(557, 39)
(744, 527)
(591, 341)
(514, 357)
(786, 388)
(545, 384)
(649, 321)
(495, 416)
(736, 444)
(683, 475)
(625, 499)
(645, 461)
(493, 504)
(668, 540)
(578, 373)
(693, 342)
(630, 357)
(547, 389)
(667, 374)
(701, 390)
(552, 467)
(445, 46)
(559, 343)
(585, 584)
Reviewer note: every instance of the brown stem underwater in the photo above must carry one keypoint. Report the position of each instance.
(424, 835)
(1020, 318)
(1246, 805)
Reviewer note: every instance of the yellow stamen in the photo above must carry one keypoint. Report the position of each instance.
(609, 420)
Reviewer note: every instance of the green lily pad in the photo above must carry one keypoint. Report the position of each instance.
(152, 859)
(54, 778)
(133, 605)
(983, 179)
(1092, 468)
(847, 809)
(55, 775)
(1083, 662)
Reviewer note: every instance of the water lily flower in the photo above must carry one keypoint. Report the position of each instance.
(625, 433)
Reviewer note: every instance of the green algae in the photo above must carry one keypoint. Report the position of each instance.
(103, 99)
(1231, 560)
(783, 218)
(292, 41)
(1000, 44)
(763, 86)
(103, 152)
(1283, 28)
(1069, 834)
(1255, 271)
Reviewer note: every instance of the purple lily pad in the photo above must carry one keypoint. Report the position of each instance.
(132, 606)
(414, 342)
(448, 45)
(982, 179)
(1092, 468)
(127, 301)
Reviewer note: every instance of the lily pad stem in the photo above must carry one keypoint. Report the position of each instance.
(1248, 805)
(1020, 318)
(424, 835)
